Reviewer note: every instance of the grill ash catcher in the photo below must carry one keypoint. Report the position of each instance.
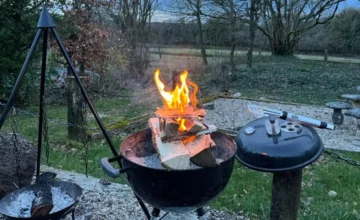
(283, 144)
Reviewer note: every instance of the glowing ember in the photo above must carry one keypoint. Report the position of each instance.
(178, 103)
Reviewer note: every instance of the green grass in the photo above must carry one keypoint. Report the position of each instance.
(250, 191)
(296, 80)
(241, 52)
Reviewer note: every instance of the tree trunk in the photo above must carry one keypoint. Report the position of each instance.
(233, 39)
(252, 34)
(281, 49)
(201, 40)
(75, 104)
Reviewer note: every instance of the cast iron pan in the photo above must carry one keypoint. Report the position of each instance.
(7, 204)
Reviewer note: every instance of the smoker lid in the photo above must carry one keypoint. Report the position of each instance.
(294, 148)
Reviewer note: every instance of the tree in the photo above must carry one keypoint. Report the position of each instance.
(86, 43)
(85, 40)
(253, 17)
(284, 22)
(18, 20)
(344, 31)
(131, 17)
(231, 11)
(192, 9)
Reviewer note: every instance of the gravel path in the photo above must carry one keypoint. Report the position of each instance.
(233, 114)
(117, 202)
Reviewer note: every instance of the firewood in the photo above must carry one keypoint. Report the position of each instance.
(43, 203)
(205, 159)
(198, 144)
(171, 128)
(173, 155)
(195, 126)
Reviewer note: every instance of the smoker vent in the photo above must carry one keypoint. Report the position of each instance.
(290, 127)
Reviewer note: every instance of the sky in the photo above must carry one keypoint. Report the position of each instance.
(161, 15)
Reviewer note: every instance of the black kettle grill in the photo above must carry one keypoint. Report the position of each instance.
(176, 191)
(283, 148)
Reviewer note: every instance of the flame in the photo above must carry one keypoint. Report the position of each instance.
(178, 99)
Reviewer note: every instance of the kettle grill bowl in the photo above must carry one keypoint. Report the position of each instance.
(177, 190)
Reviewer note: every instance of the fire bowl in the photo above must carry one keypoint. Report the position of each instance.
(16, 205)
(176, 190)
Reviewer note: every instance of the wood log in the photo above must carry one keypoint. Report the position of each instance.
(43, 203)
(8, 167)
(171, 128)
(195, 126)
(173, 155)
(198, 144)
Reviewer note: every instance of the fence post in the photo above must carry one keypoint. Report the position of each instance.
(75, 114)
(326, 55)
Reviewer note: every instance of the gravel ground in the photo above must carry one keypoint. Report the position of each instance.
(117, 202)
(232, 114)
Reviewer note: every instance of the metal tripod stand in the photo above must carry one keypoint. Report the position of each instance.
(45, 25)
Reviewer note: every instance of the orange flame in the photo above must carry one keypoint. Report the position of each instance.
(178, 99)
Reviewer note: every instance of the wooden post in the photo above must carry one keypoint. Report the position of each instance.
(225, 77)
(75, 103)
(286, 195)
(326, 55)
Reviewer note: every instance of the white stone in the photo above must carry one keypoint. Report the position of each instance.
(332, 193)
(238, 94)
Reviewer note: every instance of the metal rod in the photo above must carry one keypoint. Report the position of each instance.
(92, 108)
(20, 77)
(41, 107)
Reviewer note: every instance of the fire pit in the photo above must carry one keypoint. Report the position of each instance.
(173, 166)
(31, 202)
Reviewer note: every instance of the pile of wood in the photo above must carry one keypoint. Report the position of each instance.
(176, 149)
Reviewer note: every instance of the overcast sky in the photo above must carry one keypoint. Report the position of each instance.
(161, 15)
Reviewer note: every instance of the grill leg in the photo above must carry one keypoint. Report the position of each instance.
(73, 214)
(286, 195)
(155, 214)
(201, 213)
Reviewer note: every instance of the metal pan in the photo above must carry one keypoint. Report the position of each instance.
(9, 206)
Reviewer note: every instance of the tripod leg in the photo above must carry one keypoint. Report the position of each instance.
(20, 77)
(201, 213)
(42, 91)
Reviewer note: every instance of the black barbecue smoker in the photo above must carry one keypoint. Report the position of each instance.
(282, 147)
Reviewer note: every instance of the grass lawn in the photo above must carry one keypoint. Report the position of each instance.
(241, 52)
(297, 80)
(286, 79)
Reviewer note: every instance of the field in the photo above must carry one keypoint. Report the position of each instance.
(282, 79)
(225, 52)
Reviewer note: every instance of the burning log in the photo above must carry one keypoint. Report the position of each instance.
(178, 134)
(173, 155)
(43, 203)
(196, 144)
(176, 149)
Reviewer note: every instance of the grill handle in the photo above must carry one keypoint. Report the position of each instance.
(110, 170)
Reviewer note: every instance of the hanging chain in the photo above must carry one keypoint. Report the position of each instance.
(16, 148)
(347, 160)
(85, 141)
(46, 135)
